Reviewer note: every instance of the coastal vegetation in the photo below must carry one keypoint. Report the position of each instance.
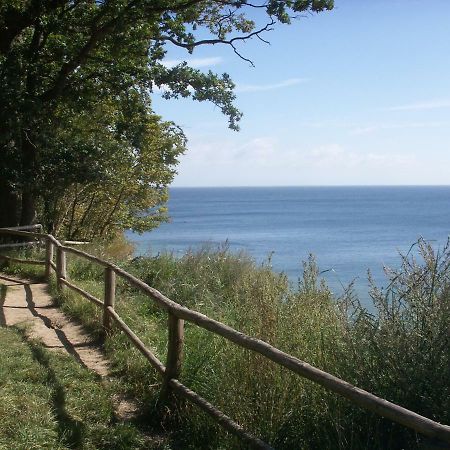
(398, 348)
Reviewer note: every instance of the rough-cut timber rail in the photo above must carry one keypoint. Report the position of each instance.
(178, 314)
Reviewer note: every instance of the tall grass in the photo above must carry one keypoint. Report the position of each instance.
(399, 349)
(402, 352)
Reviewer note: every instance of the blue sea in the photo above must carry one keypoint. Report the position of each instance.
(348, 229)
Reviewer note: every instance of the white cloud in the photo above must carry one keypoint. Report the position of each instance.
(194, 62)
(420, 106)
(379, 127)
(262, 151)
(268, 87)
(336, 157)
(326, 124)
(264, 154)
(266, 161)
(204, 149)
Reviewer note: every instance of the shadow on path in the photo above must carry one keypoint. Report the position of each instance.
(39, 312)
(70, 430)
(70, 348)
(21, 298)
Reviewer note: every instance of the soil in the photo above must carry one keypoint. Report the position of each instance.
(30, 305)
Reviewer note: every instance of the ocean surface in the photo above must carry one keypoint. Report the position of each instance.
(348, 229)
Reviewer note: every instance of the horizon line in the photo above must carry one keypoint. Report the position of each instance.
(306, 186)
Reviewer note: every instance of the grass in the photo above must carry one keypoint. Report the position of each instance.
(49, 401)
(401, 353)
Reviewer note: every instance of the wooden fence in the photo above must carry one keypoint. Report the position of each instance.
(177, 314)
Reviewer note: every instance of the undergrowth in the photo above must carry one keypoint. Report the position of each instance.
(399, 349)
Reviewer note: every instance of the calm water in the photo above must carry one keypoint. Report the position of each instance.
(348, 229)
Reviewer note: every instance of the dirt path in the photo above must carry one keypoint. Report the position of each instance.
(30, 304)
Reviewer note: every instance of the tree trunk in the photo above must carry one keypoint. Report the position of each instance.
(28, 213)
(29, 167)
(9, 206)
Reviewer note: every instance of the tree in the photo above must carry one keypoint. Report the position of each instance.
(128, 159)
(71, 69)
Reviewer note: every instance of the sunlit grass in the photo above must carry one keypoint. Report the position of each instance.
(49, 401)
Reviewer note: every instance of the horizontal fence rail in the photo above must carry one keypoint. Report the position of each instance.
(177, 314)
(12, 245)
(37, 227)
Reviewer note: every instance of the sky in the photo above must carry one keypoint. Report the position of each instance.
(356, 96)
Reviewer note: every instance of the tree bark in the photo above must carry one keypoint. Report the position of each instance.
(28, 212)
(29, 167)
(9, 206)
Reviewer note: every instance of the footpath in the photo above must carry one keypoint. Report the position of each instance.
(30, 305)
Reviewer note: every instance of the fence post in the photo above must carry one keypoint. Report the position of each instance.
(109, 299)
(48, 258)
(60, 267)
(174, 355)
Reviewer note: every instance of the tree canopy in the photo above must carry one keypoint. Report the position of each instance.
(80, 144)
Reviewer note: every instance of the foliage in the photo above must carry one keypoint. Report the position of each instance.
(76, 120)
(398, 349)
(126, 177)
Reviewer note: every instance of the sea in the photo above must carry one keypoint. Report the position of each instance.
(349, 230)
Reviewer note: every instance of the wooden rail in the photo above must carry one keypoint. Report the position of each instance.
(18, 245)
(22, 261)
(177, 314)
(12, 245)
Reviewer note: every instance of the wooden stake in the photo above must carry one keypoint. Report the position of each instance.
(48, 258)
(60, 268)
(110, 296)
(174, 355)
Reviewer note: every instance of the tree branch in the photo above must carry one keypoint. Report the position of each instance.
(230, 42)
(68, 68)
(112, 212)
(14, 21)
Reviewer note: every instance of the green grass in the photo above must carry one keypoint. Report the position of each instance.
(401, 352)
(49, 401)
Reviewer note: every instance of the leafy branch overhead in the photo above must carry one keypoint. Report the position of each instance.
(64, 61)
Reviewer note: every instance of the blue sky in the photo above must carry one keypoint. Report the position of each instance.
(356, 96)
